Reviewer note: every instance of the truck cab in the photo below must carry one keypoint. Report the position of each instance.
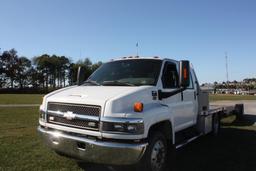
(128, 111)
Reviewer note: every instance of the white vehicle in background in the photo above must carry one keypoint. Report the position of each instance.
(131, 110)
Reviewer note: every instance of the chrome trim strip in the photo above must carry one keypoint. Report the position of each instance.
(122, 133)
(71, 129)
(122, 120)
(77, 116)
(75, 126)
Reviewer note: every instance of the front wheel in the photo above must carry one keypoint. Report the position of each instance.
(155, 156)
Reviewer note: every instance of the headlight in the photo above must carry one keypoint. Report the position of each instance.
(42, 115)
(129, 128)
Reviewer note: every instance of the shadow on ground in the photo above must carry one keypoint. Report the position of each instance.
(246, 120)
(233, 149)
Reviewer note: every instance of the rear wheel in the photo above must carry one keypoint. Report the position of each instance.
(155, 156)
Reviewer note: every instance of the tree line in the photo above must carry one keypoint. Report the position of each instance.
(44, 71)
(246, 84)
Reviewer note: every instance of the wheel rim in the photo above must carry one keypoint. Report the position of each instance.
(158, 155)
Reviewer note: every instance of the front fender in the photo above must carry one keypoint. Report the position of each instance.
(156, 114)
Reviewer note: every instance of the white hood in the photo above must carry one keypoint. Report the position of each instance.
(92, 95)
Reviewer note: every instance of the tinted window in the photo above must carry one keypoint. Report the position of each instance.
(135, 72)
(170, 78)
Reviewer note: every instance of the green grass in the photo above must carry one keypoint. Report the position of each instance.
(20, 98)
(231, 97)
(20, 146)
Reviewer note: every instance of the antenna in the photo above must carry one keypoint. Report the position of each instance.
(137, 48)
(226, 57)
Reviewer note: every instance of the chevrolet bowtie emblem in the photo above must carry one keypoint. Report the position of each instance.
(69, 115)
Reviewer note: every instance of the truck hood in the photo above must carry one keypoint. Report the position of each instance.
(92, 95)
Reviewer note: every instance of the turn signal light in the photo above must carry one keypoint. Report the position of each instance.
(138, 107)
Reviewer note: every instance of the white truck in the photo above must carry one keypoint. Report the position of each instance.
(130, 110)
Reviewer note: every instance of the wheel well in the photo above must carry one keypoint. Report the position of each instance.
(164, 127)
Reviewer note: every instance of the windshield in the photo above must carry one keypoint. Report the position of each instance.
(127, 73)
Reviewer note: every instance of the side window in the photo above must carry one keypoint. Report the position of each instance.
(170, 78)
(191, 85)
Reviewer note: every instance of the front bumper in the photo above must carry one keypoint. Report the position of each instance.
(89, 150)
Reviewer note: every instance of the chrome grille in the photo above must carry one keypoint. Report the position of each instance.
(80, 109)
(76, 123)
(83, 116)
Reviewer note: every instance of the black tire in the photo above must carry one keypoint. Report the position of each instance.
(215, 124)
(156, 154)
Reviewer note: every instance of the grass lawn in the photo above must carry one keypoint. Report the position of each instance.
(20, 147)
(231, 97)
(21, 98)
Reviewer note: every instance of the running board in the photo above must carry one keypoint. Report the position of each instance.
(188, 141)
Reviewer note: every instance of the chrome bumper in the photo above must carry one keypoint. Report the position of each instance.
(92, 150)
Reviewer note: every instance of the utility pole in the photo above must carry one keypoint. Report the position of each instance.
(226, 57)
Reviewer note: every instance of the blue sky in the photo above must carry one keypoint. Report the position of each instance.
(198, 30)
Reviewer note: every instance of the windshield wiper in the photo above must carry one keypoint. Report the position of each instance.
(91, 82)
(116, 83)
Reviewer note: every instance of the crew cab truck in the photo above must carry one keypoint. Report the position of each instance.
(130, 110)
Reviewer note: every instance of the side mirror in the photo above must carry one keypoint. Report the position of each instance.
(80, 75)
(184, 74)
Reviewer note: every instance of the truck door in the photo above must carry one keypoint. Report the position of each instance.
(181, 104)
(190, 100)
